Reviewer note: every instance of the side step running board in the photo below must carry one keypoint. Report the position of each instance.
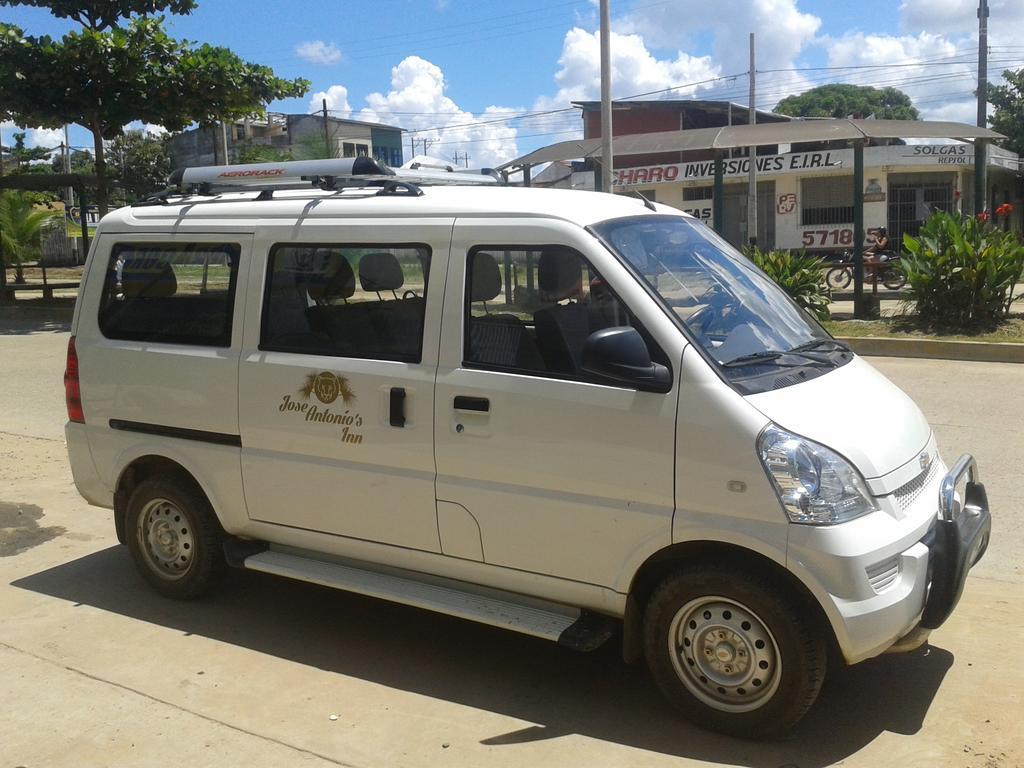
(570, 627)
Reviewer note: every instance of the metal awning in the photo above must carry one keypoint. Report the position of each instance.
(736, 136)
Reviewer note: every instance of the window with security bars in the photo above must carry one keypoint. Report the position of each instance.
(696, 193)
(826, 200)
(915, 197)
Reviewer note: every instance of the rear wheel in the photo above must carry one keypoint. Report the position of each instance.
(839, 277)
(731, 652)
(174, 538)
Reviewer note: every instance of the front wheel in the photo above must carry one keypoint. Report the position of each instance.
(894, 279)
(731, 653)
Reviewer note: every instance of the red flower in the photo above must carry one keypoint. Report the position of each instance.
(956, 194)
(1004, 210)
(983, 216)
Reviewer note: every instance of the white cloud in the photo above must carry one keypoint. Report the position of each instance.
(318, 52)
(44, 137)
(959, 18)
(417, 101)
(937, 79)
(782, 33)
(337, 101)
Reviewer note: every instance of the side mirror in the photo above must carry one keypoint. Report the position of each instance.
(620, 356)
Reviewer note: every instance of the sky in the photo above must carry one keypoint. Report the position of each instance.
(493, 80)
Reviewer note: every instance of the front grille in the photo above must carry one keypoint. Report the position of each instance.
(883, 575)
(909, 492)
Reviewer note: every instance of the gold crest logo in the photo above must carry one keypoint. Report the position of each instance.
(327, 387)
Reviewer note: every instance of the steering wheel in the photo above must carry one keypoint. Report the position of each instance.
(715, 301)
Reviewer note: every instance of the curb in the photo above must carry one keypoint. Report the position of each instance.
(975, 351)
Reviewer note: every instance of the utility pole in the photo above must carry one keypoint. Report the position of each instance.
(980, 160)
(327, 138)
(752, 154)
(224, 140)
(67, 165)
(606, 98)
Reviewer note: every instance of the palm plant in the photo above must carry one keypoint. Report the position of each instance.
(21, 225)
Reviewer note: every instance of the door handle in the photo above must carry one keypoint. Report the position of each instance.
(466, 403)
(397, 403)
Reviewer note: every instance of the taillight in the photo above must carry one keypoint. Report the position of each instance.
(72, 389)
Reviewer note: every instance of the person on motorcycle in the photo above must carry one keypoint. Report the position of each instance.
(881, 244)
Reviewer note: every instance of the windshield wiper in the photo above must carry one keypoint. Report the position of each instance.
(837, 346)
(773, 355)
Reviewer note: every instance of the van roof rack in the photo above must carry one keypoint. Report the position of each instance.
(333, 174)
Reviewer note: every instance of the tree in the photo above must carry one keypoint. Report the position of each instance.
(140, 163)
(121, 67)
(844, 100)
(21, 224)
(25, 156)
(81, 162)
(1008, 117)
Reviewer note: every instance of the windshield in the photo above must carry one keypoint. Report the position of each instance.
(740, 317)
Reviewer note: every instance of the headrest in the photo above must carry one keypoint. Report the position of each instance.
(140, 277)
(340, 285)
(380, 272)
(486, 277)
(559, 274)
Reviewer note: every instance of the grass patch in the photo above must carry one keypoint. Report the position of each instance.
(1010, 330)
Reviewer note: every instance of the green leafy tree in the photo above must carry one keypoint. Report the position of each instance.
(140, 163)
(843, 100)
(25, 156)
(1008, 101)
(21, 224)
(81, 162)
(121, 66)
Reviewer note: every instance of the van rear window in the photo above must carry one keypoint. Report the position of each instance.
(181, 293)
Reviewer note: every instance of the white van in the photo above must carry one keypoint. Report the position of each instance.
(563, 413)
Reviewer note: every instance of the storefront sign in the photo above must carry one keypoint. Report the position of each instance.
(739, 166)
(786, 203)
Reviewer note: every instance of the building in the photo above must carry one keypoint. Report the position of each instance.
(299, 136)
(804, 191)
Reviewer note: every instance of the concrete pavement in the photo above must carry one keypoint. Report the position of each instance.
(97, 670)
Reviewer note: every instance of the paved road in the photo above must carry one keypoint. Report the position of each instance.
(95, 670)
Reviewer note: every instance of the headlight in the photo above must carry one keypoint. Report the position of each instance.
(816, 485)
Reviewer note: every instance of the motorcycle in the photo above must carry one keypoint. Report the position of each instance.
(884, 267)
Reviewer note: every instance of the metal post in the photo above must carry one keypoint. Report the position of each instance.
(980, 160)
(606, 98)
(83, 203)
(67, 165)
(527, 181)
(224, 140)
(858, 230)
(752, 154)
(327, 138)
(718, 195)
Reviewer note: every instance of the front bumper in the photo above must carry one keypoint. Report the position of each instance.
(888, 577)
(956, 542)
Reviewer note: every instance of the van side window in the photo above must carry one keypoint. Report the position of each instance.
(364, 301)
(180, 293)
(532, 310)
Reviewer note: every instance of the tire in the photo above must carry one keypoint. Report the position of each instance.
(893, 279)
(761, 661)
(174, 538)
(839, 277)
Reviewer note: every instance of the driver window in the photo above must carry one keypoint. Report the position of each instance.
(364, 301)
(531, 310)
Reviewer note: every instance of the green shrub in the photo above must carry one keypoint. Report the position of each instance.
(961, 272)
(799, 275)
